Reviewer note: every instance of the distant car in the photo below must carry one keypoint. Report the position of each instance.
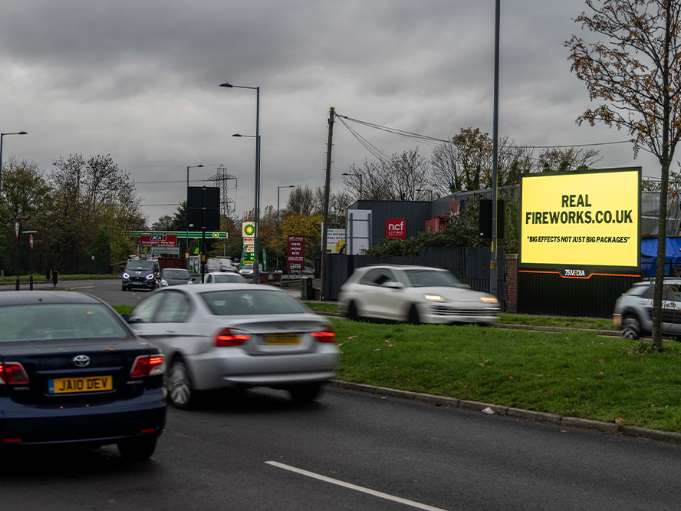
(236, 335)
(176, 277)
(72, 371)
(220, 264)
(141, 274)
(415, 294)
(247, 269)
(223, 278)
(634, 310)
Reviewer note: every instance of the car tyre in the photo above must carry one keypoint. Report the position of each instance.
(631, 328)
(125, 288)
(181, 392)
(305, 393)
(352, 312)
(413, 316)
(139, 449)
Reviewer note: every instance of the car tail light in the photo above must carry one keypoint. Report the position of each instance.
(328, 335)
(228, 337)
(147, 365)
(13, 373)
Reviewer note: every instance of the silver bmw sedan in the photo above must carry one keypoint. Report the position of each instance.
(236, 335)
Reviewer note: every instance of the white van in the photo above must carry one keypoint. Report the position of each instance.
(220, 264)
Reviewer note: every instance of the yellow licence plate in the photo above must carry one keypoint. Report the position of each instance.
(277, 339)
(74, 385)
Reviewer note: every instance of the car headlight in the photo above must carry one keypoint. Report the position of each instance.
(434, 298)
(164, 283)
(150, 276)
(488, 299)
(126, 276)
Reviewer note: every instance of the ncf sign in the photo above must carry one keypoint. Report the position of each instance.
(295, 253)
(396, 228)
(158, 240)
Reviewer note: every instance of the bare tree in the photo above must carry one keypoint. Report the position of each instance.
(636, 74)
(568, 159)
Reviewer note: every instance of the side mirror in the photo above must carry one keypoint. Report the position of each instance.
(394, 285)
(193, 279)
(465, 286)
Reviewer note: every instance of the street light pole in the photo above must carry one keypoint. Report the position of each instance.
(493, 286)
(186, 213)
(2, 135)
(360, 181)
(256, 234)
(279, 188)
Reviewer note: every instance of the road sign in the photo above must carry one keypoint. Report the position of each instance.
(203, 207)
(30, 240)
(295, 250)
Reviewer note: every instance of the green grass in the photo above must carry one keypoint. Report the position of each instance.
(40, 278)
(123, 309)
(576, 374)
(587, 323)
(323, 307)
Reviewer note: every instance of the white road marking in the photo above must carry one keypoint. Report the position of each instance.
(354, 487)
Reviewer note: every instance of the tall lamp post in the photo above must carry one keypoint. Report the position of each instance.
(279, 188)
(186, 211)
(431, 193)
(2, 135)
(256, 234)
(360, 181)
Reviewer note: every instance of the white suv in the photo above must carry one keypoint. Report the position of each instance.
(634, 309)
(416, 294)
(220, 264)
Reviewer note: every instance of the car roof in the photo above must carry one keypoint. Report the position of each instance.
(42, 297)
(400, 267)
(218, 287)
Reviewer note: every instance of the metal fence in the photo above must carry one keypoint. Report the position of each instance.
(469, 265)
(65, 264)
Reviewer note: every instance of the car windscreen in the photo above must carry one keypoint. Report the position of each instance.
(139, 266)
(244, 302)
(43, 322)
(228, 279)
(247, 267)
(176, 274)
(431, 278)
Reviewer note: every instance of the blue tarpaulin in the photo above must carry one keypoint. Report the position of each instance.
(649, 256)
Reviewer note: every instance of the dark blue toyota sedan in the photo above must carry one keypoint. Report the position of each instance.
(72, 371)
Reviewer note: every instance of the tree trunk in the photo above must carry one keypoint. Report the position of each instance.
(661, 256)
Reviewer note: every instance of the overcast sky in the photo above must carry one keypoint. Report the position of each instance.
(139, 81)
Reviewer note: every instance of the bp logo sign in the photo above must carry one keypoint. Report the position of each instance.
(247, 229)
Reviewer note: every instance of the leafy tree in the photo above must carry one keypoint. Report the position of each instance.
(635, 74)
(568, 159)
(302, 201)
(164, 223)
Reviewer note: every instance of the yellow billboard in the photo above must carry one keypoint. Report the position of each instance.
(585, 219)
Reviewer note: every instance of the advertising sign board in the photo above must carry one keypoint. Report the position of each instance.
(295, 253)
(581, 223)
(396, 228)
(158, 240)
(333, 236)
(247, 229)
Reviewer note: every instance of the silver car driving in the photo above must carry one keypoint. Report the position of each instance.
(236, 335)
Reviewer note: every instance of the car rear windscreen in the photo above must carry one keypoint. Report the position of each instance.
(228, 279)
(176, 274)
(242, 302)
(43, 322)
(431, 278)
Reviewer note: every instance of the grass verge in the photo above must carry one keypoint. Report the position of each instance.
(575, 374)
(322, 307)
(123, 309)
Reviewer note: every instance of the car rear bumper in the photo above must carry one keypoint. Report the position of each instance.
(232, 366)
(97, 424)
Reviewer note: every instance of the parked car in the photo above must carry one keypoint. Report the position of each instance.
(142, 274)
(634, 310)
(237, 335)
(223, 278)
(247, 269)
(416, 294)
(220, 264)
(176, 277)
(72, 371)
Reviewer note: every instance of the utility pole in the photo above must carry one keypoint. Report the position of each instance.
(17, 230)
(495, 157)
(325, 227)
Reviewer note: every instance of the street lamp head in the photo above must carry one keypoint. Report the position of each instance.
(226, 84)
(237, 135)
(22, 133)
(198, 166)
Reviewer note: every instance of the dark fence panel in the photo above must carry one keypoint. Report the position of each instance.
(550, 294)
(469, 265)
(70, 264)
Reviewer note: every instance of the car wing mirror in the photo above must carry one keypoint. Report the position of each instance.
(464, 286)
(193, 279)
(394, 285)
